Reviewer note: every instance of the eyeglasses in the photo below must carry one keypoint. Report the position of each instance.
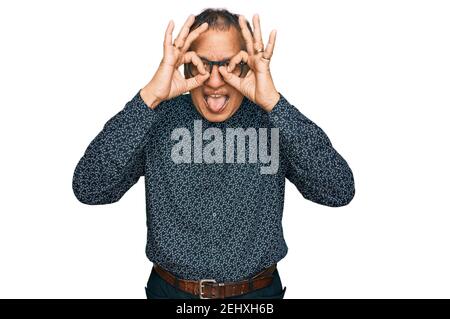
(240, 69)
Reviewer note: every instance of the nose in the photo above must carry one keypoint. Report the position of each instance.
(215, 79)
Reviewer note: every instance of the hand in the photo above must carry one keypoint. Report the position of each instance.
(257, 85)
(168, 82)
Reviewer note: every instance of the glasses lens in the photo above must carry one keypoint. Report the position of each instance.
(240, 69)
(244, 69)
(237, 69)
(206, 66)
(193, 69)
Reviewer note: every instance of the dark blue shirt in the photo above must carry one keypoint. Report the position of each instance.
(211, 220)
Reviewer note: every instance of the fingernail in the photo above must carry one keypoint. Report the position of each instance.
(228, 69)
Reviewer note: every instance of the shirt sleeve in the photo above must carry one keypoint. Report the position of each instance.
(318, 171)
(115, 160)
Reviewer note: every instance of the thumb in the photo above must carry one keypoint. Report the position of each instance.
(230, 78)
(196, 81)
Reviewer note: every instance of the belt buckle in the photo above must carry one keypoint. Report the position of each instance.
(202, 281)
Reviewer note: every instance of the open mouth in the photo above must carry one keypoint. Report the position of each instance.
(216, 102)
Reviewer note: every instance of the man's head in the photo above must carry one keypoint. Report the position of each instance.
(216, 100)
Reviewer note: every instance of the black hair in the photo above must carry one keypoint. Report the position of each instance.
(220, 19)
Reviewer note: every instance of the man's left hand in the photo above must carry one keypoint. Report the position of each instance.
(257, 85)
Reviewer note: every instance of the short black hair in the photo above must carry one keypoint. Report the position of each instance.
(220, 19)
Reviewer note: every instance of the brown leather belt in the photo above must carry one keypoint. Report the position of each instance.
(210, 289)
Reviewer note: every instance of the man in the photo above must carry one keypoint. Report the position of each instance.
(214, 194)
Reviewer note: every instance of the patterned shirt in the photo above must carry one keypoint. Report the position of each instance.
(217, 220)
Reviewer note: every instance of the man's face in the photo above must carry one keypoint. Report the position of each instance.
(215, 45)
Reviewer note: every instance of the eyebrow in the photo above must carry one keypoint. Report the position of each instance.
(226, 59)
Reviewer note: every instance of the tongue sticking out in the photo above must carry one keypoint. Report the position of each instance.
(216, 104)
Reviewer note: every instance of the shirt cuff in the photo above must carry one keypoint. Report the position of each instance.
(139, 113)
(280, 109)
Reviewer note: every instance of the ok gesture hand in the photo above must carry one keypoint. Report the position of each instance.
(168, 82)
(257, 85)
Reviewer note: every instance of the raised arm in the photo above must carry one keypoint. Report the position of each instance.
(318, 171)
(115, 159)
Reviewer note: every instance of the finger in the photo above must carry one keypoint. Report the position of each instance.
(168, 35)
(246, 34)
(267, 54)
(191, 56)
(230, 78)
(179, 40)
(194, 35)
(259, 44)
(249, 74)
(196, 81)
(198, 63)
(241, 56)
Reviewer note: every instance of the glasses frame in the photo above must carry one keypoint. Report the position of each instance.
(241, 64)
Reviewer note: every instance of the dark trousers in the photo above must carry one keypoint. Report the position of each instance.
(158, 288)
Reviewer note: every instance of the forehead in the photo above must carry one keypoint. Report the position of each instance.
(218, 45)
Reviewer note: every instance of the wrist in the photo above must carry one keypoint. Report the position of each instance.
(149, 98)
(271, 102)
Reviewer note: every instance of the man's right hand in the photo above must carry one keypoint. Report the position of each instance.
(168, 82)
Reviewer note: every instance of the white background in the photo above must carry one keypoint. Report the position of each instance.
(374, 75)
